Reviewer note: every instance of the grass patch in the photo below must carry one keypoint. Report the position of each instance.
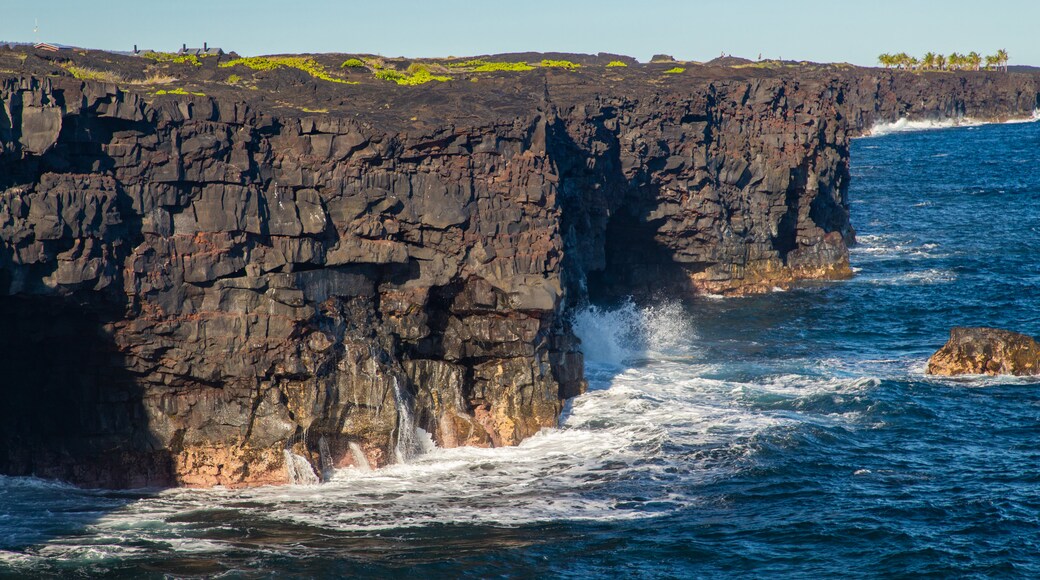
(417, 75)
(89, 74)
(503, 66)
(353, 63)
(177, 91)
(233, 79)
(376, 63)
(169, 57)
(467, 63)
(614, 63)
(266, 63)
(675, 70)
(308, 110)
(156, 79)
(560, 64)
(481, 65)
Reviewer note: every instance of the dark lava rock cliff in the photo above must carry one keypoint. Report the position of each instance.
(193, 284)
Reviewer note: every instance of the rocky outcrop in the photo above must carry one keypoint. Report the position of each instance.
(986, 351)
(192, 285)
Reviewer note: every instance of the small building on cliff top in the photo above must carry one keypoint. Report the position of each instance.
(204, 51)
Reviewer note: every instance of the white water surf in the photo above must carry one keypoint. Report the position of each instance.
(904, 125)
(654, 421)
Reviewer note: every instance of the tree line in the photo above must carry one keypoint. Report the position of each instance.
(953, 61)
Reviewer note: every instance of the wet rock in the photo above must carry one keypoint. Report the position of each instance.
(986, 351)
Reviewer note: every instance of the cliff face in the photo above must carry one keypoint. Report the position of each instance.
(190, 286)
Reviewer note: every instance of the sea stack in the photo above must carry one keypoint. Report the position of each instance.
(986, 351)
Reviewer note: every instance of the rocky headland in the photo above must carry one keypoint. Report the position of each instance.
(210, 269)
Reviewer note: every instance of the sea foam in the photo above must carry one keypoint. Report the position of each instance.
(904, 125)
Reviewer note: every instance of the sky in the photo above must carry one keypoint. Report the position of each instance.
(817, 30)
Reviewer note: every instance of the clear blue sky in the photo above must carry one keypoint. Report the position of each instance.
(820, 30)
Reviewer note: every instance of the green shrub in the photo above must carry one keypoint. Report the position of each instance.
(421, 77)
(615, 63)
(233, 79)
(560, 64)
(265, 63)
(503, 66)
(389, 74)
(163, 57)
(419, 74)
(353, 63)
(675, 70)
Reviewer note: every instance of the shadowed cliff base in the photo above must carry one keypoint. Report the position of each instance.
(72, 410)
(311, 270)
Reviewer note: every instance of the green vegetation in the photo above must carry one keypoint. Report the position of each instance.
(615, 63)
(390, 74)
(308, 110)
(503, 66)
(467, 63)
(417, 75)
(481, 65)
(265, 63)
(353, 63)
(233, 79)
(177, 91)
(170, 57)
(675, 70)
(88, 74)
(954, 61)
(560, 64)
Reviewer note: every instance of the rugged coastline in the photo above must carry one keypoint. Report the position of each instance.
(192, 284)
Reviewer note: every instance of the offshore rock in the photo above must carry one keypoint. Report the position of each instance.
(986, 351)
(194, 287)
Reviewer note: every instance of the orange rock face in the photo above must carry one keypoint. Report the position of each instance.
(986, 351)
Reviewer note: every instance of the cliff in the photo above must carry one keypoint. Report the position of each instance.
(192, 285)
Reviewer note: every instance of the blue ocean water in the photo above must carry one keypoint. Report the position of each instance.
(792, 434)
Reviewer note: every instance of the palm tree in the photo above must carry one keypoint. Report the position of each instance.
(940, 62)
(928, 62)
(974, 60)
(992, 61)
(1003, 56)
(885, 59)
(955, 60)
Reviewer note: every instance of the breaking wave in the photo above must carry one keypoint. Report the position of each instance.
(905, 125)
(628, 333)
(656, 424)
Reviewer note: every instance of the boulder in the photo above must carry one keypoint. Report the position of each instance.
(986, 351)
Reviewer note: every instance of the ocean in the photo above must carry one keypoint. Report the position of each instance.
(792, 434)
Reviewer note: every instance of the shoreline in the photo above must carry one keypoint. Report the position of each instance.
(907, 125)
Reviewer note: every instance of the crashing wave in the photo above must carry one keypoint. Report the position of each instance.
(905, 125)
